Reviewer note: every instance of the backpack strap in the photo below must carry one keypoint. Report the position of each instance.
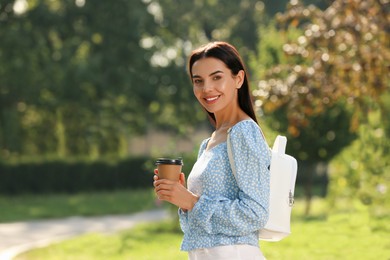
(229, 149)
(230, 153)
(280, 145)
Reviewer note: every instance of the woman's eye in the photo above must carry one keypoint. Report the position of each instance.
(216, 77)
(197, 81)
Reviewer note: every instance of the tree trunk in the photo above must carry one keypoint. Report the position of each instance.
(60, 134)
(309, 170)
(10, 130)
(313, 173)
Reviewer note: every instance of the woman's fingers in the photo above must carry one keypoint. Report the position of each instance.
(182, 179)
(163, 193)
(165, 188)
(174, 192)
(163, 185)
(155, 177)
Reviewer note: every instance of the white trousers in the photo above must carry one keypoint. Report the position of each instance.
(233, 252)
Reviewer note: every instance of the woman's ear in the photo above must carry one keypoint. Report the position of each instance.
(240, 79)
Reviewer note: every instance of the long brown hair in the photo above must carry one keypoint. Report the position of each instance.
(229, 55)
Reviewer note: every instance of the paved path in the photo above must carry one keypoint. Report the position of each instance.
(19, 237)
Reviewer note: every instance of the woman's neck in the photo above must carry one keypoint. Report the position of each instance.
(227, 120)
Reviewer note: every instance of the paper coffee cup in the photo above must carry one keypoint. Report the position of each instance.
(169, 168)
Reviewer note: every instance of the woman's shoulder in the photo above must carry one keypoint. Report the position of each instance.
(247, 130)
(245, 126)
(203, 144)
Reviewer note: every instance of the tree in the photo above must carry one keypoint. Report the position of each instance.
(317, 143)
(71, 73)
(182, 26)
(347, 56)
(340, 62)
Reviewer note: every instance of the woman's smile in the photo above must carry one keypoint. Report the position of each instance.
(211, 100)
(215, 86)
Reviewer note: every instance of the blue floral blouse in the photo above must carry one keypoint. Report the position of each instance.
(231, 209)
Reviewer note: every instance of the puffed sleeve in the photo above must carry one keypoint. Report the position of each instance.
(249, 211)
(183, 216)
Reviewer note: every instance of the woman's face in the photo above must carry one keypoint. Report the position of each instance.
(214, 85)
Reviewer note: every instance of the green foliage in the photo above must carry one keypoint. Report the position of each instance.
(87, 76)
(70, 73)
(363, 170)
(326, 134)
(320, 141)
(182, 26)
(64, 176)
(344, 54)
(79, 77)
(326, 82)
(204, 20)
(270, 49)
(272, 8)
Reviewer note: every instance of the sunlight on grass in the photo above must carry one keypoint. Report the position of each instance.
(322, 236)
(26, 207)
(155, 241)
(327, 234)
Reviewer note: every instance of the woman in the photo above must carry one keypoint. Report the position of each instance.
(220, 214)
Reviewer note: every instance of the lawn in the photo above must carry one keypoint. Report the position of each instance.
(324, 235)
(27, 207)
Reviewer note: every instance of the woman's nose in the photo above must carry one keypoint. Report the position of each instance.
(208, 86)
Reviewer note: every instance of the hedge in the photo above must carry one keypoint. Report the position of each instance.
(63, 176)
(69, 177)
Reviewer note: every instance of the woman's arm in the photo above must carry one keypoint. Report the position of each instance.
(249, 212)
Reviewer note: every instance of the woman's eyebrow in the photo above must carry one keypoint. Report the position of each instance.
(211, 74)
(215, 72)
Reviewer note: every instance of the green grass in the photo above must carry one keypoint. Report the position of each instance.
(156, 241)
(27, 207)
(340, 235)
(324, 235)
(30, 206)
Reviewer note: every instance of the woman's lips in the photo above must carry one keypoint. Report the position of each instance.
(211, 100)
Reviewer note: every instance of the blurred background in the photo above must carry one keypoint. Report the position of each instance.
(91, 92)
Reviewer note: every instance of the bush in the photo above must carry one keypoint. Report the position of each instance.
(74, 176)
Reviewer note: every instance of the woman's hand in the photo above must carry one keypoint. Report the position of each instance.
(174, 192)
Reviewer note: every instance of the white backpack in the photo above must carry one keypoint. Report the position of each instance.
(283, 173)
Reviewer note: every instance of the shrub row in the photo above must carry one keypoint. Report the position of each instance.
(64, 176)
(70, 177)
